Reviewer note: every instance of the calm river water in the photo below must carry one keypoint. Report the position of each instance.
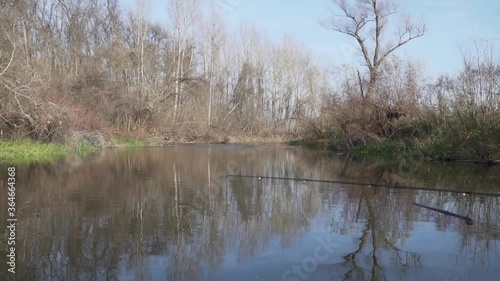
(171, 213)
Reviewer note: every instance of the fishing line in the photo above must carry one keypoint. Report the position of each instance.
(478, 193)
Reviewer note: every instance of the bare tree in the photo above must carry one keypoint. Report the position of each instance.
(367, 21)
(6, 63)
(142, 26)
(215, 35)
(479, 79)
(183, 14)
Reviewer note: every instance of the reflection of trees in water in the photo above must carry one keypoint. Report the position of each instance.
(117, 211)
(383, 227)
(380, 228)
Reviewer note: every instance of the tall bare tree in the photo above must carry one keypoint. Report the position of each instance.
(214, 33)
(367, 21)
(183, 15)
(142, 27)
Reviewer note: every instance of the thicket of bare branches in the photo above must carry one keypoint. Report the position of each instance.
(464, 110)
(68, 66)
(89, 66)
(24, 107)
(455, 116)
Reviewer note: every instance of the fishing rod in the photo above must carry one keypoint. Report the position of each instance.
(478, 193)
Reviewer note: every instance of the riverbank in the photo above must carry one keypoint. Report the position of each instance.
(24, 151)
(440, 151)
(481, 150)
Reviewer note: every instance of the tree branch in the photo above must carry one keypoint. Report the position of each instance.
(11, 55)
(404, 37)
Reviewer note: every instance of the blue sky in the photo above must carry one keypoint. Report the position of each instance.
(450, 23)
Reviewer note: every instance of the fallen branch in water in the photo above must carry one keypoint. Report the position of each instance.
(370, 185)
(467, 220)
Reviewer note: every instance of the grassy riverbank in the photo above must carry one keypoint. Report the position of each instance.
(21, 151)
(25, 151)
(479, 145)
(441, 150)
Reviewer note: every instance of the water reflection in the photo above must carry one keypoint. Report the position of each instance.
(171, 214)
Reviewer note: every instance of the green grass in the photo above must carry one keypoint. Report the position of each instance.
(84, 148)
(21, 151)
(446, 146)
(129, 142)
(25, 151)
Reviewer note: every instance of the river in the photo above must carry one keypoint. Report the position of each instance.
(173, 213)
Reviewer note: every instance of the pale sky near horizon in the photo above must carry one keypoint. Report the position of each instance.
(450, 23)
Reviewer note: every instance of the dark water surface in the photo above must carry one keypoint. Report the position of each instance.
(172, 214)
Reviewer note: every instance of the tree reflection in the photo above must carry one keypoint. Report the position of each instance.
(167, 214)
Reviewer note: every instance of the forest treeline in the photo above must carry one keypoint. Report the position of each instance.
(72, 69)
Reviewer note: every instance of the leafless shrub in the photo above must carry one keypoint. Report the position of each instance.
(94, 138)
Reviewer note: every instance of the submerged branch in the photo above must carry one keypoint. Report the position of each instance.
(467, 220)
